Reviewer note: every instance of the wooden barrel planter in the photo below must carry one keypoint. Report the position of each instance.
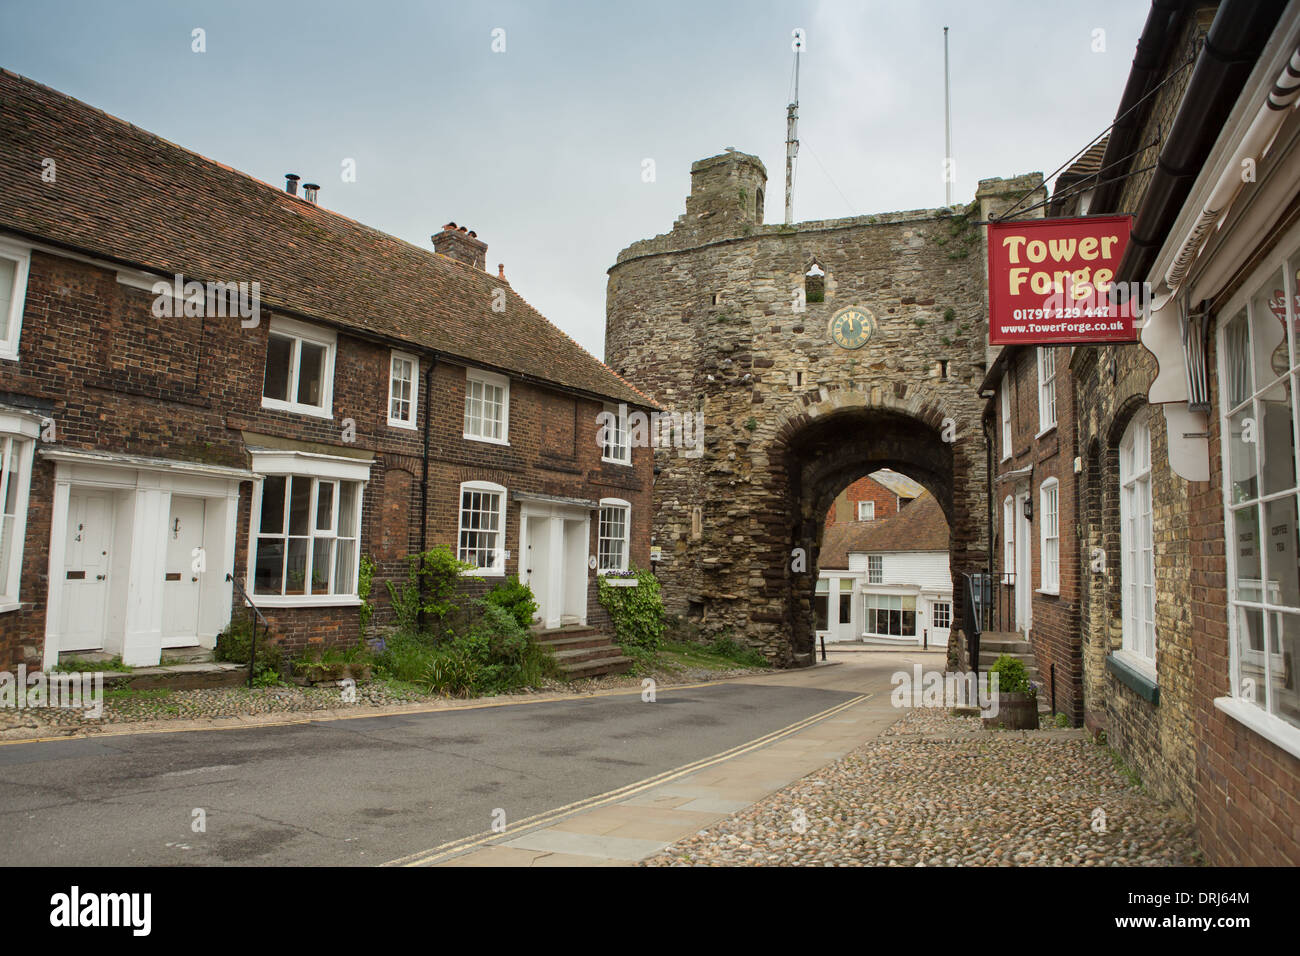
(1015, 712)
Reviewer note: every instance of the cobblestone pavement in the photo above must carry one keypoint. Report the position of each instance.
(129, 707)
(938, 790)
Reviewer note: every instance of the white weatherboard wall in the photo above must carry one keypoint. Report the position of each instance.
(927, 570)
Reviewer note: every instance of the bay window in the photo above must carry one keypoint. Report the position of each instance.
(307, 533)
(1259, 373)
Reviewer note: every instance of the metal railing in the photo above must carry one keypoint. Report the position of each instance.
(972, 609)
(256, 616)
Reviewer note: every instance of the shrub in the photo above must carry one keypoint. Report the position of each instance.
(365, 581)
(431, 588)
(637, 613)
(1012, 676)
(233, 645)
(515, 597)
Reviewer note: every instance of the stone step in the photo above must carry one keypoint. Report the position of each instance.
(605, 665)
(581, 655)
(187, 676)
(188, 655)
(558, 644)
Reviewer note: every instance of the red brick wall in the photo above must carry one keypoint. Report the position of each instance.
(114, 377)
(866, 488)
(1055, 617)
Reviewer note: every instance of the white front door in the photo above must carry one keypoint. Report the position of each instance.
(1024, 565)
(180, 615)
(86, 560)
(537, 563)
(940, 623)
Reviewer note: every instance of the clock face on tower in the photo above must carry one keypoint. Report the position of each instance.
(851, 327)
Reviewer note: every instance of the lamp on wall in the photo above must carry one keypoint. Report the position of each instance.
(1029, 509)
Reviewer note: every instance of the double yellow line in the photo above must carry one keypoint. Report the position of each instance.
(455, 847)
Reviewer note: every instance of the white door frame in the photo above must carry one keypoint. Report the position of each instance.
(145, 487)
(559, 574)
(1024, 563)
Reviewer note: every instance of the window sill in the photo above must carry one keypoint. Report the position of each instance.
(1045, 431)
(1045, 592)
(615, 461)
(487, 441)
(1136, 674)
(298, 600)
(275, 405)
(8, 355)
(1273, 729)
(4, 608)
(484, 573)
(409, 426)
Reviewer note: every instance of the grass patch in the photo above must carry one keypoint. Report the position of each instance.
(722, 654)
(78, 665)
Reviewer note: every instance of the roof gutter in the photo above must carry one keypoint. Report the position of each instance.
(1156, 36)
(1240, 31)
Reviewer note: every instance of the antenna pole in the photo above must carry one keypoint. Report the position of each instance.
(947, 128)
(792, 138)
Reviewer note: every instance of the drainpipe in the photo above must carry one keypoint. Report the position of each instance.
(1240, 30)
(424, 471)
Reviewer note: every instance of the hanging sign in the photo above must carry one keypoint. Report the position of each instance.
(1052, 282)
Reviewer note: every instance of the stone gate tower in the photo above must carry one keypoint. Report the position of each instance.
(816, 353)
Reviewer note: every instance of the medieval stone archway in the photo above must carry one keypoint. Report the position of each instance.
(715, 319)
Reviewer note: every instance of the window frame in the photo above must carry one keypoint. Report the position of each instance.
(11, 325)
(947, 613)
(486, 487)
(19, 434)
(394, 357)
(1285, 257)
(494, 380)
(1052, 584)
(871, 508)
(1046, 390)
(876, 576)
(618, 504)
(1130, 483)
(256, 534)
(301, 332)
(623, 443)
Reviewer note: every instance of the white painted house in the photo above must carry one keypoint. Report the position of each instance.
(887, 582)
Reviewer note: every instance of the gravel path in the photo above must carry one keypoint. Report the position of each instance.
(937, 790)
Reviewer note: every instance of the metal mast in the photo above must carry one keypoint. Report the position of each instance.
(947, 128)
(792, 136)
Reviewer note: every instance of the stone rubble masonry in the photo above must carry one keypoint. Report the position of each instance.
(703, 319)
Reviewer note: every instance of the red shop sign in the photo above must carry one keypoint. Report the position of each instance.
(1052, 282)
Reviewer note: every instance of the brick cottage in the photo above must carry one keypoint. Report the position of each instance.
(310, 391)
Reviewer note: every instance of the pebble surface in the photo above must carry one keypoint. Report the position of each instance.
(226, 702)
(939, 790)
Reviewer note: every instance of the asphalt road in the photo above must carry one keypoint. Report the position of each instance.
(364, 791)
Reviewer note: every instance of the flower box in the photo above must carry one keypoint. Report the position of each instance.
(620, 582)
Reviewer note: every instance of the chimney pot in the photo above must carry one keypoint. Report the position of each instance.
(501, 270)
(457, 242)
(309, 191)
(291, 183)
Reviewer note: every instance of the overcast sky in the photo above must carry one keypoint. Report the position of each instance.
(540, 148)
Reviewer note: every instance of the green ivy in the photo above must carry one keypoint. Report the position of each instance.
(637, 613)
(365, 580)
(432, 585)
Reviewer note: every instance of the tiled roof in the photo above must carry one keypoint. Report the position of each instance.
(1086, 166)
(920, 526)
(127, 195)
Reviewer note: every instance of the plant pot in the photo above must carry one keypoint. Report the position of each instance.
(1015, 712)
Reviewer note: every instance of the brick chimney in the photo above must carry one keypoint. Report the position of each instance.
(457, 242)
